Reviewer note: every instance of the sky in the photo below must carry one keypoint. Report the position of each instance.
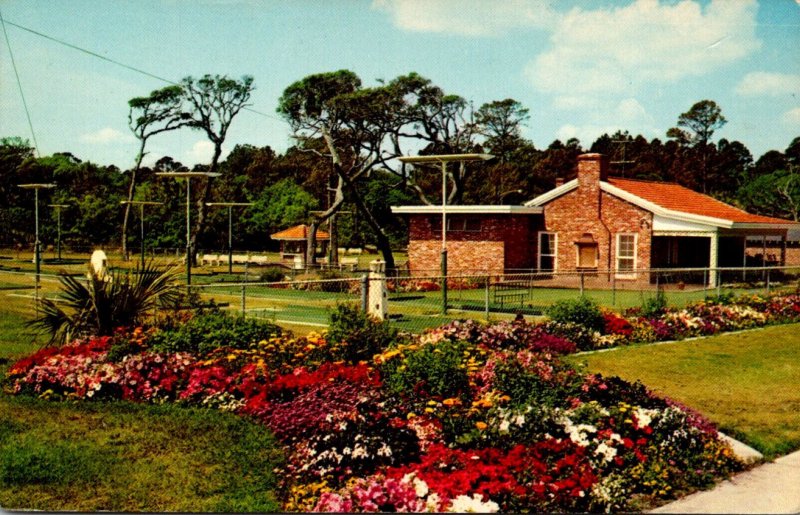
(581, 67)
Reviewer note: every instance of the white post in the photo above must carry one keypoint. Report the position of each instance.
(378, 296)
(712, 259)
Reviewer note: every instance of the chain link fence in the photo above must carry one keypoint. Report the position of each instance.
(302, 300)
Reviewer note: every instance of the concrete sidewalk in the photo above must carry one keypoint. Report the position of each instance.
(770, 488)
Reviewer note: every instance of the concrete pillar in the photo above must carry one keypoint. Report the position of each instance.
(713, 252)
(378, 301)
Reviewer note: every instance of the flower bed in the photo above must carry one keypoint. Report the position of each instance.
(462, 418)
(702, 318)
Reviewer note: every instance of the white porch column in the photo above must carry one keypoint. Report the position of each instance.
(713, 252)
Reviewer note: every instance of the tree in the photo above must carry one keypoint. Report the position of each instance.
(700, 122)
(774, 194)
(500, 122)
(158, 112)
(279, 206)
(213, 103)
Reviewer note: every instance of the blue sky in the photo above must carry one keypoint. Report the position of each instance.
(582, 68)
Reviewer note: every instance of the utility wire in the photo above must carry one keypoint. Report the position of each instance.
(112, 61)
(19, 84)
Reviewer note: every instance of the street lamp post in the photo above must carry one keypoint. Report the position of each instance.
(37, 252)
(230, 206)
(141, 204)
(188, 176)
(443, 160)
(58, 217)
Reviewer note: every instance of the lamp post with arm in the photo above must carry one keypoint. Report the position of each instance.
(37, 246)
(188, 176)
(230, 206)
(443, 160)
(141, 204)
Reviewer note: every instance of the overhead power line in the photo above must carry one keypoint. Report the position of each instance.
(108, 59)
(19, 84)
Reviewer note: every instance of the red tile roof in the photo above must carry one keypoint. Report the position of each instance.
(674, 197)
(298, 232)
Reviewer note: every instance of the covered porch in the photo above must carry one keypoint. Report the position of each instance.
(709, 251)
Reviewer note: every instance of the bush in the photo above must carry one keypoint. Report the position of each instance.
(272, 275)
(654, 307)
(582, 311)
(208, 331)
(359, 335)
(435, 370)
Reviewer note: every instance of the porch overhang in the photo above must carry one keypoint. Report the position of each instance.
(467, 210)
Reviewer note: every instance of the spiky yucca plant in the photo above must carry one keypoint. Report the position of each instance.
(99, 305)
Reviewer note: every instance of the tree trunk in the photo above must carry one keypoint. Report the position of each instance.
(131, 191)
(201, 203)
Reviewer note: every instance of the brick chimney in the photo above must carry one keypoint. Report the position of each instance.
(592, 168)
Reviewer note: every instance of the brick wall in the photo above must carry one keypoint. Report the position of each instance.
(503, 242)
(589, 211)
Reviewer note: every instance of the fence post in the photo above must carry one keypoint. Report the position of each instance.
(244, 290)
(486, 298)
(705, 283)
(581, 274)
(364, 292)
(767, 281)
(719, 283)
(614, 289)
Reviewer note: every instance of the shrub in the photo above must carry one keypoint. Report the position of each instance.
(208, 331)
(656, 306)
(272, 275)
(359, 335)
(582, 311)
(435, 370)
(98, 306)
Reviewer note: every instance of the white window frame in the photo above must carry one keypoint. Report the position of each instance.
(553, 247)
(618, 257)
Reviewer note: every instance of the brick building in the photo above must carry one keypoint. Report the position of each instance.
(593, 223)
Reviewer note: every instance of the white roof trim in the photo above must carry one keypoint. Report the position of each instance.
(461, 209)
(667, 213)
(546, 197)
(759, 225)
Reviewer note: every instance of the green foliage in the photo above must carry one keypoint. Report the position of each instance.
(433, 370)
(582, 311)
(26, 460)
(361, 335)
(279, 206)
(210, 330)
(272, 275)
(655, 306)
(526, 386)
(98, 306)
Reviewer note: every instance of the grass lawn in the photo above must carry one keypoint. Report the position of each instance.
(746, 382)
(121, 457)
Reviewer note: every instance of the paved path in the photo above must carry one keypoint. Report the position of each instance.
(770, 488)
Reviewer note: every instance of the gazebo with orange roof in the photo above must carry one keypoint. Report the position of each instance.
(294, 241)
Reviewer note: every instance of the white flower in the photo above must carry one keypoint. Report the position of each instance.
(504, 425)
(474, 504)
(606, 452)
(645, 416)
(420, 487)
(359, 451)
(385, 450)
(520, 420)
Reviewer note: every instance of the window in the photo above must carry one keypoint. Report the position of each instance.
(456, 224)
(548, 245)
(626, 253)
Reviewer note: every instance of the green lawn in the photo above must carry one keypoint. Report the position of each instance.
(118, 456)
(746, 382)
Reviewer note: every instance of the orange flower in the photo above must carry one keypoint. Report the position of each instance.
(481, 425)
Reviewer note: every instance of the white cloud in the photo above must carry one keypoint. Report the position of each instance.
(467, 17)
(765, 83)
(105, 136)
(201, 153)
(617, 50)
(792, 117)
(628, 115)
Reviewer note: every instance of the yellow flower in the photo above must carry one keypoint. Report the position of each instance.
(452, 401)
(410, 416)
(231, 357)
(429, 410)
